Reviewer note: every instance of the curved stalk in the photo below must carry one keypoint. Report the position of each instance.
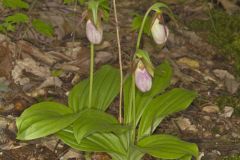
(155, 7)
(91, 75)
(142, 26)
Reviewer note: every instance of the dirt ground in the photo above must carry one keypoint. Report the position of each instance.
(27, 62)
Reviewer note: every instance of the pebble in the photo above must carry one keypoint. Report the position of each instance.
(3, 122)
(207, 134)
(207, 118)
(222, 74)
(185, 124)
(211, 109)
(227, 112)
(72, 154)
(189, 62)
(235, 135)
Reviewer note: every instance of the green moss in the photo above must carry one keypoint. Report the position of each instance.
(223, 31)
(235, 157)
(228, 100)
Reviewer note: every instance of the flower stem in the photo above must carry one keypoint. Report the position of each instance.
(141, 29)
(91, 75)
(133, 108)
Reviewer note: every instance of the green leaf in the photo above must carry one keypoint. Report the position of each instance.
(186, 157)
(137, 21)
(57, 73)
(97, 142)
(93, 6)
(68, 1)
(104, 6)
(133, 154)
(43, 119)
(9, 27)
(167, 147)
(106, 87)
(42, 27)
(2, 28)
(17, 18)
(81, 1)
(92, 121)
(162, 106)
(14, 4)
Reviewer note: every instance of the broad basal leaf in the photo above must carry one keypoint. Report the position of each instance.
(167, 147)
(104, 142)
(92, 121)
(106, 87)
(43, 119)
(162, 106)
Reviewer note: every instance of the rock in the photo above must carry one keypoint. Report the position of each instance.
(74, 52)
(4, 83)
(185, 124)
(211, 109)
(72, 154)
(31, 66)
(12, 127)
(50, 143)
(235, 135)
(217, 152)
(227, 112)
(103, 57)
(73, 44)
(207, 118)
(217, 135)
(51, 81)
(229, 6)
(232, 85)
(6, 108)
(201, 154)
(75, 79)
(222, 74)
(3, 123)
(103, 46)
(207, 134)
(37, 93)
(100, 156)
(189, 62)
(230, 82)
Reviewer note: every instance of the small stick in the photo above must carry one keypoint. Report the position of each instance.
(120, 61)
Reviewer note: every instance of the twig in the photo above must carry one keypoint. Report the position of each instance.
(120, 60)
(74, 31)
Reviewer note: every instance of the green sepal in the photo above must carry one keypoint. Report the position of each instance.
(144, 56)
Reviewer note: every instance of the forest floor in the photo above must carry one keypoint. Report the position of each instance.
(34, 68)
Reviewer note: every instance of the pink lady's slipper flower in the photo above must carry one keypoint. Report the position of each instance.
(94, 34)
(143, 79)
(160, 32)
